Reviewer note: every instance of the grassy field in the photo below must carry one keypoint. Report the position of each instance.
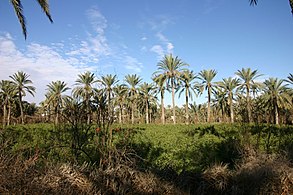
(142, 159)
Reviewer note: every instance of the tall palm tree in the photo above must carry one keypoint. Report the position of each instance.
(133, 80)
(17, 5)
(147, 92)
(206, 76)
(248, 82)
(229, 86)
(120, 96)
(276, 96)
(85, 90)
(55, 97)
(187, 79)
(160, 81)
(108, 83)
(171, 67)
(21, 82)
(254, 2)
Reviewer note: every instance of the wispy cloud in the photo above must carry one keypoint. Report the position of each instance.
(164, 46)
(133, 64)
(96, 44)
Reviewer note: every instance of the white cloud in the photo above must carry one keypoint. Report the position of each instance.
(133, 64)
(165, 46)
(41, 62)
(158, 50)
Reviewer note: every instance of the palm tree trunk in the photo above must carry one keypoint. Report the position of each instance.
(209, 104)
(20, 106)
(4, 115)
(88, 110)
(9, 114)
(57, 118)
(186, 107)
(120, 114)
(276, 115)
(132, 111)
(231, 108)
(147, 112)
(248, 104)
(173, 101)
(162, 107)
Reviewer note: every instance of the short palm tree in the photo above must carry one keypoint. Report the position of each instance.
(171, 67)
(17, 5)
(229, 86)
(160, 81)
(21, 83)
(147, 93)
(248, 82)
(206, 77)
(187, 81)
(276, 95)
(133, 80)
(85, 90)
(55, 96)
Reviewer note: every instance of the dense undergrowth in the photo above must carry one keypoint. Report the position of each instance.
(147, 159)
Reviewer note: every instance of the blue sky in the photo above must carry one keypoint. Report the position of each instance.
(131, 36)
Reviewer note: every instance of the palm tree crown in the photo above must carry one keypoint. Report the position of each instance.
(85, 89)
(229, 86)
(248, 82)
(276, 96)
(206, 76)
(171, 67)
(55, 97)
(22, 83)
(133, 80)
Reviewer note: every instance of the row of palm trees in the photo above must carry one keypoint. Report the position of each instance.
(108, 99)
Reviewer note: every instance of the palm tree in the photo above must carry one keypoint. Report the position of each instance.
(248, 76)
(108, 83)
(229, 86)
(21, 83)
(133, 80)
(276, 96)
(206, 76)
(171, 67)
(120, 96)
(147, 93)
(55, 97)
(85, 90)
(254, 2)
(17, 5)
(160, 84)
(7, 92)
(220, 101)
(187, 78)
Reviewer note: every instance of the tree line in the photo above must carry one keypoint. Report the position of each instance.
(241, 98)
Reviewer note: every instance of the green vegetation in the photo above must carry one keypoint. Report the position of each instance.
(106, 136)
(211, 158)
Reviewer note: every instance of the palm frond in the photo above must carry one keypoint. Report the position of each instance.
(19, 13)
(45, 6)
